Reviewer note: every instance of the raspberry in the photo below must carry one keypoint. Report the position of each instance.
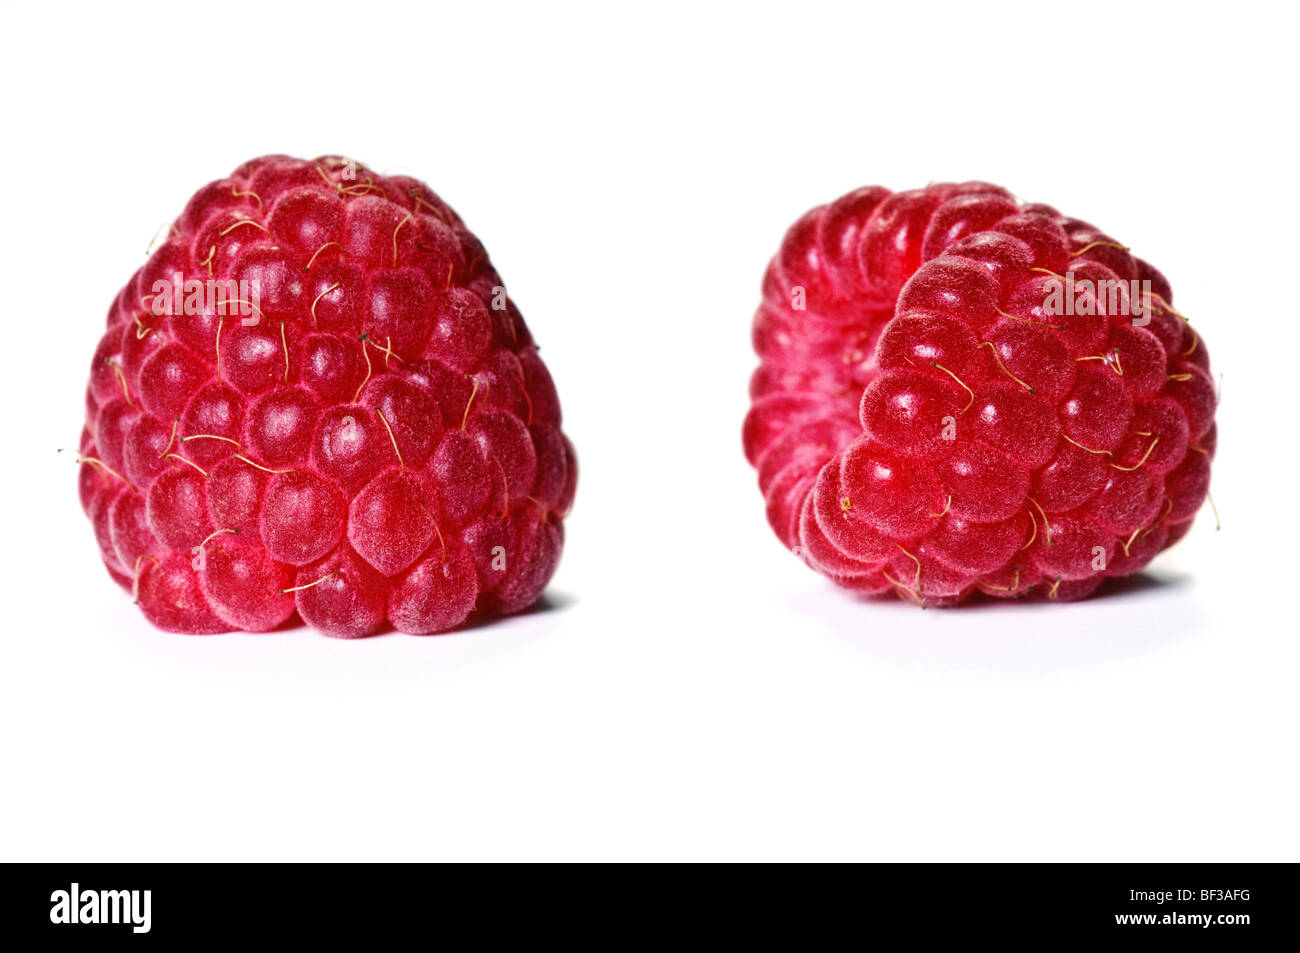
(959, 394)
(373, 438)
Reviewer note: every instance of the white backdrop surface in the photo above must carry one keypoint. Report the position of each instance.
(690, 691)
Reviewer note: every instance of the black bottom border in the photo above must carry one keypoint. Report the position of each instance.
(1231, 904)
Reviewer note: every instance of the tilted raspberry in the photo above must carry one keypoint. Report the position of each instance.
(374, 437)
(960, 393)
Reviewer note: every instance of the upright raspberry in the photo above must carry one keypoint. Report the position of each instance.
(316, 397)
(960, 393)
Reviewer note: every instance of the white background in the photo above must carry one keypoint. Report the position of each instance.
(692, 691)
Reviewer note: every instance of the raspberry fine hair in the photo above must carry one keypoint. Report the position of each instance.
(355, 428)
(962, 394)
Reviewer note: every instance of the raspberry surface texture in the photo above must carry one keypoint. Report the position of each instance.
(315, 398)
(959, 393)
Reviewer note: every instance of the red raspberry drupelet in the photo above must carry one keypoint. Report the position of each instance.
(960, 393)
(315, 397)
